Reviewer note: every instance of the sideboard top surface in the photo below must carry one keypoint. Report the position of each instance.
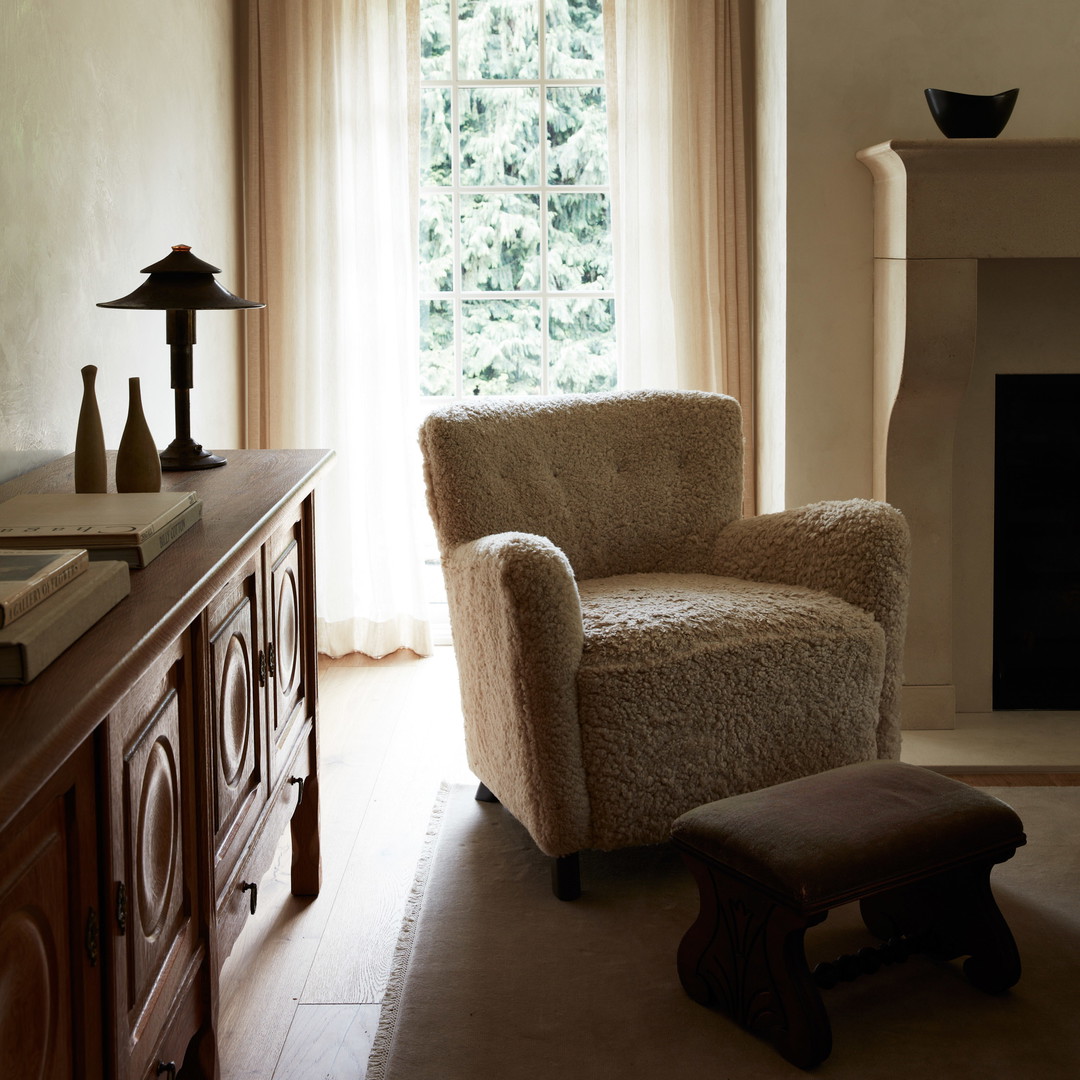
(42, 723)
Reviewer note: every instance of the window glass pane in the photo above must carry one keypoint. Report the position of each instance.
(500, 346)
(577, 135)
(436, 243)
(436, 137)
(435, 39)
(581, 345)
(500, 136)
(500, 242)
(575, 39)
(437, 347)
(498, 39)
(579, 241)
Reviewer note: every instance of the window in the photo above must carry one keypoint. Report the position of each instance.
(515, 228)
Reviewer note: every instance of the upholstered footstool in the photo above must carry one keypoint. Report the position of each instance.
(913, 847)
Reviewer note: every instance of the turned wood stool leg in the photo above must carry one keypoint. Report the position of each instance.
(744, 955)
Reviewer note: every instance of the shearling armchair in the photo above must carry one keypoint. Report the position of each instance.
(628, 646)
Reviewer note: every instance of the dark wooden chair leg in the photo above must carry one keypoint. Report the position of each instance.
(566, 876)
(744, 956)
(483, 794)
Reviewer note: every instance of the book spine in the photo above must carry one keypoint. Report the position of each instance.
(138, 555)
(15, 606)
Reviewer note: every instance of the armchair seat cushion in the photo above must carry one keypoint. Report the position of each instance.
(693, 687)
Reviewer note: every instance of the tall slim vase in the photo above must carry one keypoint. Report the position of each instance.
(138, 467)
(90, 470)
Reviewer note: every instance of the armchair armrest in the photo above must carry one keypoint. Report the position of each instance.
(519, 636)
(856, 549)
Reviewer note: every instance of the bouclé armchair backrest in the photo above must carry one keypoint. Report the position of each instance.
(628, 482)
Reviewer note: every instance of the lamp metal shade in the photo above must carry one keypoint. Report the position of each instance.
(181, 281)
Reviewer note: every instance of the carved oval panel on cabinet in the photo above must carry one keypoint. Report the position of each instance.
(235, 706)
(28, 995)
(157, 847)
(287, 631)
(36, 975)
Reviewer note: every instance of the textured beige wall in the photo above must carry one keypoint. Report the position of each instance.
(856, 70)
(118, 139)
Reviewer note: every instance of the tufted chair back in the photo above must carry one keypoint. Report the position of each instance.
(625, 482)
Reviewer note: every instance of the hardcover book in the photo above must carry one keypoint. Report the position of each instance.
(34, 641)
(70, 519)
(138, 555)
(27, 577)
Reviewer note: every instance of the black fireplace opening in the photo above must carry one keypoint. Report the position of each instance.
(1037, 542)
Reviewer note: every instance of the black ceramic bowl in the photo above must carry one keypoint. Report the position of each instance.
(971, 116)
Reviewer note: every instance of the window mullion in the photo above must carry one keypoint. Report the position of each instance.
(542, 285)
(455, 205)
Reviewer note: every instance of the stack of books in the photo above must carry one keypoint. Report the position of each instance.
(133, 526)
(64, 562)
(48, 599)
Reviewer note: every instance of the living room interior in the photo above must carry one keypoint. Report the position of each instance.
(124, 128)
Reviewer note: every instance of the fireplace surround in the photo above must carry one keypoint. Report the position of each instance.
(976, 249)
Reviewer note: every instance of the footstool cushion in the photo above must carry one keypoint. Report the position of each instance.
(823, 840)
(915, 848)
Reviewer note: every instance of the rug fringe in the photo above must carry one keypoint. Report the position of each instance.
(384, 1034)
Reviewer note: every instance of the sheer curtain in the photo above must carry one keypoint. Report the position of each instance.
(331, 194)
(680, 202)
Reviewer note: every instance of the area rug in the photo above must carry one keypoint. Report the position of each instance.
(496, 979)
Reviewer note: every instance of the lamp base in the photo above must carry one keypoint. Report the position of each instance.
(183, 454)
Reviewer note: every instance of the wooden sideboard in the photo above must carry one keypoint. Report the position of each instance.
(145, 779)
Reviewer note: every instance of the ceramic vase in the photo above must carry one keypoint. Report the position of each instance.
(90, 472)
(138, 467)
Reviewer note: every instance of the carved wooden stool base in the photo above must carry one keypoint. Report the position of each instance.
(763, 861)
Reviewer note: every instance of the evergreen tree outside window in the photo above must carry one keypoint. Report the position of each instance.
(515, 205)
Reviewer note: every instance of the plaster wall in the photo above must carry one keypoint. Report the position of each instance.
(118, 139)
(856, 70)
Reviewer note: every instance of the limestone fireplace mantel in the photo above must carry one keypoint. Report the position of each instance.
(941, 208)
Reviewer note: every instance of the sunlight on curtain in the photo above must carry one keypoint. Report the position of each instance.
(331, 193)
(683, 277)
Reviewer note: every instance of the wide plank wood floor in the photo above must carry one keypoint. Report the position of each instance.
(302, 989)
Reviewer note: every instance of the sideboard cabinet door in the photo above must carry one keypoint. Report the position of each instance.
(236, 686)
(50, 934)
(290, 644)
(152, 896)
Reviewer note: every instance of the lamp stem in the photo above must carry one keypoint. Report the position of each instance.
(183, 452)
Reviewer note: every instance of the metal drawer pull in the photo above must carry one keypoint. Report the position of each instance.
(253, 888)
(167, 1067)
(299, 781)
